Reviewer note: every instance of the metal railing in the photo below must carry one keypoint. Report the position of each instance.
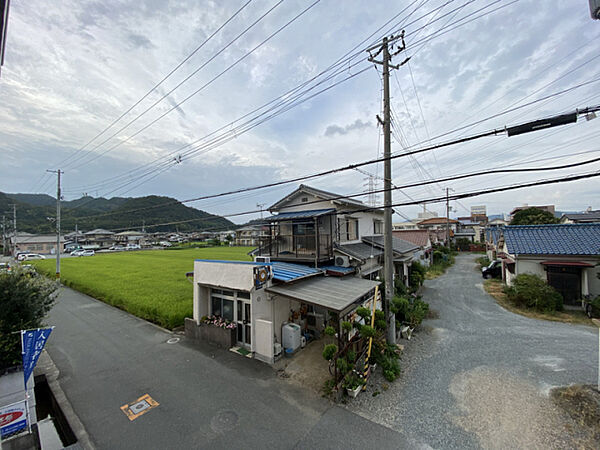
(297, 246)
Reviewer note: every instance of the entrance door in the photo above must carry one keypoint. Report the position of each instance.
(567, 281)
(244, 327)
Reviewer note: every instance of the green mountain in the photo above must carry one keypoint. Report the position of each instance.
(156, 213)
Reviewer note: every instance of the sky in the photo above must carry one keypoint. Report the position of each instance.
(73, 70)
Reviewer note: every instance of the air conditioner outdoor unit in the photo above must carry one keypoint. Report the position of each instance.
(262, 259)
(342, 261)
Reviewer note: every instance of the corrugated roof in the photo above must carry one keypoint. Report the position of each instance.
(333, 293)
(309, 213)
(281, 271)
(399, 245)
(592, 216)
(359, 250)
(571, 239)
(290, 272)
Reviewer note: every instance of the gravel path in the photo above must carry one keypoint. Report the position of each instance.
(478, 376)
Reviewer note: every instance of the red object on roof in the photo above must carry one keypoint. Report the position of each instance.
(417, 237)
(567, 263)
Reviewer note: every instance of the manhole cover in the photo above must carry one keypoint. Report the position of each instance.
(174, 340)
(138, 407)
(224, 421)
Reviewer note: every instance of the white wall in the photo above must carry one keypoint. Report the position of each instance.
(281, 313)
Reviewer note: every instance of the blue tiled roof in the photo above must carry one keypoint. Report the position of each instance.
(493, 234)
(300, 214)
(572, 239)
(290, 272)
(281, 271)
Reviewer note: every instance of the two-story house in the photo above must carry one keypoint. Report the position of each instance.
(306, 223)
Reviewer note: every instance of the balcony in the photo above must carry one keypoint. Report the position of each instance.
(299, 248)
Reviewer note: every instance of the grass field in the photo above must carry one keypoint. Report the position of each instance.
(149, 284)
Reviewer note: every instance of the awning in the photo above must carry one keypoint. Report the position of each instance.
(311, 213)
(566, 263)
(289, 272)
(335, 294)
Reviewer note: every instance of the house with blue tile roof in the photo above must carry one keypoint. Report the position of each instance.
(567, 256)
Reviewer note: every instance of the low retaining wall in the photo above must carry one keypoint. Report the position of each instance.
(221, 337)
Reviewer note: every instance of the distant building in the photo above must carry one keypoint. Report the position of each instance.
(408, 225)
(478, 210)
(589, 216)
(251, 235)
(35, 243)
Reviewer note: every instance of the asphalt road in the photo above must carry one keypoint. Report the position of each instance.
(479, 376)
(207, 397)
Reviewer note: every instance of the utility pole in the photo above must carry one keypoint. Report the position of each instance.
(58, 173)
(387, 173)
(76, 234)
(261, 206)
(448, 217)
(3, 235)
(14, 228)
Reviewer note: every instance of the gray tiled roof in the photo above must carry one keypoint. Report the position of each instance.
(592, 216)
(571, 239)
(359, 250)
(400, 245)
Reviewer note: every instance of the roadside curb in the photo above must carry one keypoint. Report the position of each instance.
(48, 368)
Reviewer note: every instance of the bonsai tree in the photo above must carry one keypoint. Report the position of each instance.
(329, 351)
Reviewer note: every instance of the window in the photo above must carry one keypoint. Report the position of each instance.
(348, 229)
(377, 226)
(304, 199)
(242, 294)
(222, 307)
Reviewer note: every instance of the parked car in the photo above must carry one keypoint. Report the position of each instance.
(165, 244)
(133, 247)
(69, 248)
(32, 256)
(20, 255)
(117, 248)
(83, 252)
(494, 270)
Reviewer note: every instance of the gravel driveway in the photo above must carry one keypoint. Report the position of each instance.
(478, 376)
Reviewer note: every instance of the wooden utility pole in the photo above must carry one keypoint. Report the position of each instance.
(57, 172)
(387, 174)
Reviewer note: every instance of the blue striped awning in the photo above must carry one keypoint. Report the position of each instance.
(310, 213)
(291, 272)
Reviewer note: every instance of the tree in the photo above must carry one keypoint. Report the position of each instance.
(25, 299)
(533, 216)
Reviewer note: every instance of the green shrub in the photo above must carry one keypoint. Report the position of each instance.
(329, 351)
(483, 261)
(380, 324)
(531, 291)
(343, 366)
(417, 275)
(351, 356)
(346, 326)
(595, 307)
(365, 313)
(352, 381)
(329, 331)
(379, 315)
(389, 360)
(367, 331)
(417, 312)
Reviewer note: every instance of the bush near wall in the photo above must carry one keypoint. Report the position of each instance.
(531, 291)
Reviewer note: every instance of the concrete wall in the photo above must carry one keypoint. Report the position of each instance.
(281, 313)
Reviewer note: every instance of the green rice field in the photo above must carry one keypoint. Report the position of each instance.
(150, 284)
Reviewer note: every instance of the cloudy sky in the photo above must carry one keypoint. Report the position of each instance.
(73, 69)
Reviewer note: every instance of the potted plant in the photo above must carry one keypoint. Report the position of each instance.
(353, 384)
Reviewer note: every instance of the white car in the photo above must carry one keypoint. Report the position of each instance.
(31, 256)
(165, 244)
(83, 253)
(133, 247)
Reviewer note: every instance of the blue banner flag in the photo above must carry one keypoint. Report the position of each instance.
(33, 342)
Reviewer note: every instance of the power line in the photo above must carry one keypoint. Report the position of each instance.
(494, 132)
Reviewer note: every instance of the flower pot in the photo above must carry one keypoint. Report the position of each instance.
(354, 392)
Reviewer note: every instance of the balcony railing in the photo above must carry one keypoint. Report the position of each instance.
(297, 247)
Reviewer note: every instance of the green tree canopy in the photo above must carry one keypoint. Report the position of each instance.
(533, 216)
(25, 299)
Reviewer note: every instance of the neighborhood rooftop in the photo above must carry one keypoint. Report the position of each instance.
(306, 214)
(281, 271)
(317, 193)
(573, 239)
(399, 245)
